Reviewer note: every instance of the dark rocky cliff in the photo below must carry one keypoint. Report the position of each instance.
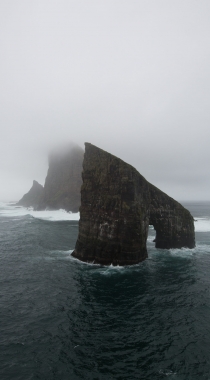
(63, 181)
(174, 224)
(117, 206)
(33, 197)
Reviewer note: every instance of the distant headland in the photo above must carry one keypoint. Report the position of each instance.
(33, 197)
(62, 184)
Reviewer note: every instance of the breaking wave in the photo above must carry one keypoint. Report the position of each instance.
(11, 210)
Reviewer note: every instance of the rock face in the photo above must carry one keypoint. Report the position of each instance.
(64, 180)
(174, 224)
(117, 206)
(33, 197)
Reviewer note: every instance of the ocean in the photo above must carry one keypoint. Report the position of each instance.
(61, 319)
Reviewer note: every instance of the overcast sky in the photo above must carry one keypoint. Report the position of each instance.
(130, 76)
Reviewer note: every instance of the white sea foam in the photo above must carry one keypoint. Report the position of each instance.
(51, 215)
(186, 252)
(150, 238)
(182, 252)
(112, 270)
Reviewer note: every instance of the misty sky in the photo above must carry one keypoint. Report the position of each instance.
(130, 76)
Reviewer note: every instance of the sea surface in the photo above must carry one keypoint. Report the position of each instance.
(64, 319)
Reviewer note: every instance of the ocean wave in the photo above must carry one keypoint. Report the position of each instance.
(118, 269)
(167, 372)
(186, 252)
(7, 210)
(11, 210)
(150, 238)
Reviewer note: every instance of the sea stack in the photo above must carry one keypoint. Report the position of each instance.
(64, 180)
(117, 207)
(33, 197)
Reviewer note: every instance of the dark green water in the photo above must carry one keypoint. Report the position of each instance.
(63, 319)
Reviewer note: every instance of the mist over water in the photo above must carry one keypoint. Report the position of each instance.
(132, 78)
(64, 319)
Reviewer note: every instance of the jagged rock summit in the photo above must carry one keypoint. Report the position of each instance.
(117, 207)
(33, 197)
(64, 180)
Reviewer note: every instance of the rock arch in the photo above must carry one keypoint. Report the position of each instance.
(117, 206)
(173, 224)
